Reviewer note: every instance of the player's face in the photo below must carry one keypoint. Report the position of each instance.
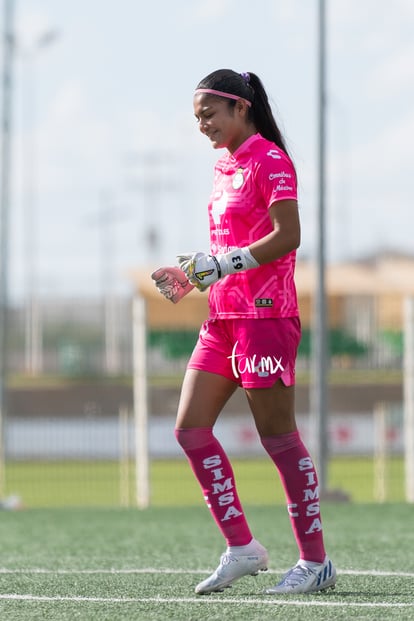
(223, 124)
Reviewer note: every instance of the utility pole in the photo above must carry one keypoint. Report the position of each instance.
(33, 330)
(108, 216)
(7, 87)
(110, 212)
(154, 181)
(319, 336)
(409, 397)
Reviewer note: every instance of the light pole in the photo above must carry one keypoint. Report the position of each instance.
(154, 182)
(7, 89)
(108, 216)
(319, 336)
(33, 331)
(110, 212)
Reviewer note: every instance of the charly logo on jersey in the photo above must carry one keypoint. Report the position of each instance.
(275, 154)
(238, 179)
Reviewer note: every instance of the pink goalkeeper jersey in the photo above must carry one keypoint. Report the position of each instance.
(246, 184)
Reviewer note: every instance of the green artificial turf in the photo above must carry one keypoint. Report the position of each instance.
(126, 564)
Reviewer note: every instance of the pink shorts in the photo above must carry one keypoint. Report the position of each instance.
(254, 353)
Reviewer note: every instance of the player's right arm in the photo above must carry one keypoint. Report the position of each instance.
(172, 283)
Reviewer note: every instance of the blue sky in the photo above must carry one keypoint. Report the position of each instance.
(106, 111)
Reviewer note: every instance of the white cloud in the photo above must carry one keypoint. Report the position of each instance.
(75, 143)
(395, 76)
(31, 23)
(405, 6)
(210, 10)
(379, 168)
(388, 155)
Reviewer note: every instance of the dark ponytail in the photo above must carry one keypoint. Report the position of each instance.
(248, 86)
(262, 114)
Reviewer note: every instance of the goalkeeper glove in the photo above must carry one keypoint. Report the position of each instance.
(172, 283)
(203, 269)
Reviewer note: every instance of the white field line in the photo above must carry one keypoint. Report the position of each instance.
(210, 600)
(153, 570)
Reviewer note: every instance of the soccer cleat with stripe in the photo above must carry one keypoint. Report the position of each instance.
(232, 567)
(306, 578)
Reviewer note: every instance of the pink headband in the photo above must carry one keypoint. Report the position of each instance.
(211, 91)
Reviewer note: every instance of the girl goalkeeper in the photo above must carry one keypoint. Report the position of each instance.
(251, 336)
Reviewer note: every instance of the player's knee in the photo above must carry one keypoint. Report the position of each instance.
(193, 437)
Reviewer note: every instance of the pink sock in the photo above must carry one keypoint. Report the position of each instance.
(300, 482)
(213, 471)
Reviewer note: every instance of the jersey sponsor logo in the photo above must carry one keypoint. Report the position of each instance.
(279, 175)
(310, 502)
(262, 365)
(221, 487)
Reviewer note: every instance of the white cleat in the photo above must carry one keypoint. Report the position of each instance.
(232, 567)
(306, 578)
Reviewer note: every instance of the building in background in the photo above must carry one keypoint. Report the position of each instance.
(362, 295)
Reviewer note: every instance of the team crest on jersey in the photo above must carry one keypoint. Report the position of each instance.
(238, 179)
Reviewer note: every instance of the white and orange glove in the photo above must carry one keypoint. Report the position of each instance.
(202, 270)
(172, 283)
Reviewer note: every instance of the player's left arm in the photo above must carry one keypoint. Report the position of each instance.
(275, 179)
(285, 234)
(202, 270)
